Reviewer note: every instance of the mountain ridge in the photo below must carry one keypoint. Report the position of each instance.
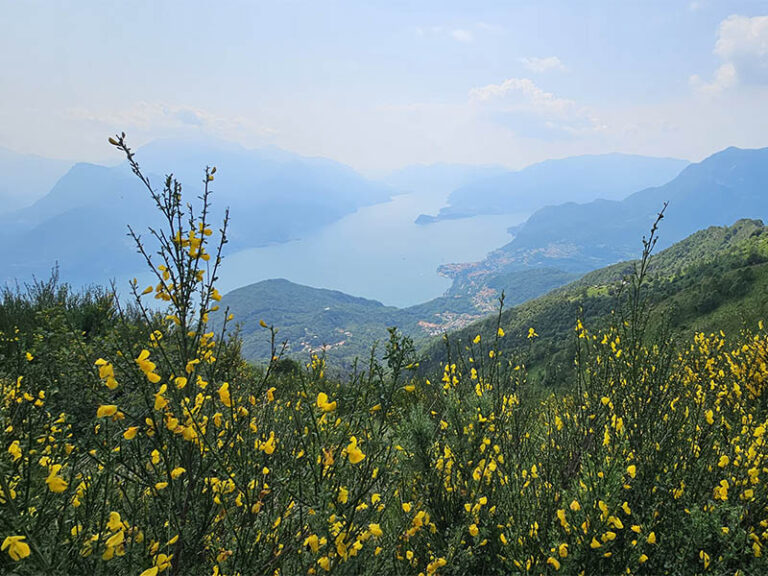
(574, 178)
(26, 178)
(580, 237)
(276, 201)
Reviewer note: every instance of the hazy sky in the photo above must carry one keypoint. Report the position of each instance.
(379, 85)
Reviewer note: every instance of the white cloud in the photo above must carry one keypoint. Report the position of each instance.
(741, 37)
(540, 65)
(489, 27)
(522, 93)
(725, 77)
(525, 107)
(461, 35)
(742, 48)
(145, 115)
(429, 30)
(466, 34)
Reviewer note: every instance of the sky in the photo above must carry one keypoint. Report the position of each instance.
(381, 85)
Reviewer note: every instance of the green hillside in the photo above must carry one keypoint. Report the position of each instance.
(347, 327)
(308, 319)
(716, 279)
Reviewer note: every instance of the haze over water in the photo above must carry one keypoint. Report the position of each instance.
(377, 252)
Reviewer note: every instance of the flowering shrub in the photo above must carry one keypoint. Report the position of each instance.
(147, 446)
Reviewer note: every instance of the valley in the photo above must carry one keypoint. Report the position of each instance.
(553, 248)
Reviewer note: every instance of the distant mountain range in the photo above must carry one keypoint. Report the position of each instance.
(81, 223)
(571, 237)
(275, 195)
(26, 178)
(574, 179)
(555, 246)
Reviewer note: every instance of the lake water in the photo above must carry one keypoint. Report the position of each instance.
(377, 252)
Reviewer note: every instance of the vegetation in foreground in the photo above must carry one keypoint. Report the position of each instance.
(136, 442)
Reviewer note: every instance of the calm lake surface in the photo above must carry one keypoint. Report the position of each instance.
(377, 252)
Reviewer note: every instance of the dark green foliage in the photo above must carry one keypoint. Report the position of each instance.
(47, 324)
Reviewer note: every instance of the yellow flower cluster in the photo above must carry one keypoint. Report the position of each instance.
(653, 460)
